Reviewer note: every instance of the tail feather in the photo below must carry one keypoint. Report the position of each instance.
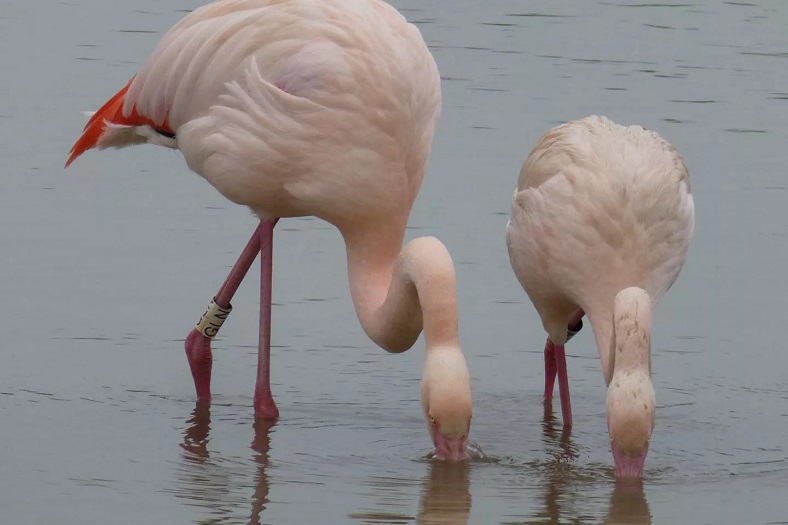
(110, 113)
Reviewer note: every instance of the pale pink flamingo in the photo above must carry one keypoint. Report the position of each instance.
(310, 107)
(601, 222)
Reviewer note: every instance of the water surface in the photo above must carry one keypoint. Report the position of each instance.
(107, 266)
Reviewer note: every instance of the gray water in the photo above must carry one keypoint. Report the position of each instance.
(106, 267)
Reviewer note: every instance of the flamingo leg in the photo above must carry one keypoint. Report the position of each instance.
(563, 383)
(550, 369)
(198, 343)
(264, 405)
(555, 365)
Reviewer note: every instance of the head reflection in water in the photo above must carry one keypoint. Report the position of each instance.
(568, 486)
(446, 494)
(566, 496)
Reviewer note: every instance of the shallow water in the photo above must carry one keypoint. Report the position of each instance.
(107, 266)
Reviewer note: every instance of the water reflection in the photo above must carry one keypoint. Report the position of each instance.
(446, 494)
(559, 446)
(628, 505)
(261, 445)
(216, 484)
(445, 498)
(201, 481)
(195, 437)
(567, 487)
(566, 500)
(557, 471)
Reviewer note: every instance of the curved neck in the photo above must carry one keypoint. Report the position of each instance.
(602, 323)
(622, 333)
(632, 331)
(396, 291)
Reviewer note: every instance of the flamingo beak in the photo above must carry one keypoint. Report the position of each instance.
(630, 467)
(451, 449)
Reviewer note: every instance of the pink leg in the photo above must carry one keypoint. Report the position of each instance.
(563, 384)
(198, 346)
(549, 369)
(198, 352)
(264, 406)
(555, 364)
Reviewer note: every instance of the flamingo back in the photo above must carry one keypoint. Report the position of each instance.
(292, 107)
(599, 208)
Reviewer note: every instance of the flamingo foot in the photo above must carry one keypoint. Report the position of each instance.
(198, 352)
(563, 384)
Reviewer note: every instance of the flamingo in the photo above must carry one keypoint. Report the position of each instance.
(321, 108)
(601, 222)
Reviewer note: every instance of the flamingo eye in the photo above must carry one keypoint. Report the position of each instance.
(432, 420)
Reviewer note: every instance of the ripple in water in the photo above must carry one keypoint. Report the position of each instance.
(474, 452)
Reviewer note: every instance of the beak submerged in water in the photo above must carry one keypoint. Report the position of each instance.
(630, 467)
(451, 449)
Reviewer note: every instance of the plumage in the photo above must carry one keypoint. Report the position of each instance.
(600, 210)
(306, 107)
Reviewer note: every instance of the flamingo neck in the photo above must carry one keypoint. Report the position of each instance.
(631, 331)
(622, 332)
(398, 290)
(602, 323)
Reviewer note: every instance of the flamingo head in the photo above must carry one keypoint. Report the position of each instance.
(446, 400)
(630, 421)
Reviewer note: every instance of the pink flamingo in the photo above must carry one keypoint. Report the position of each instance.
(601, 222)
(310, 107)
